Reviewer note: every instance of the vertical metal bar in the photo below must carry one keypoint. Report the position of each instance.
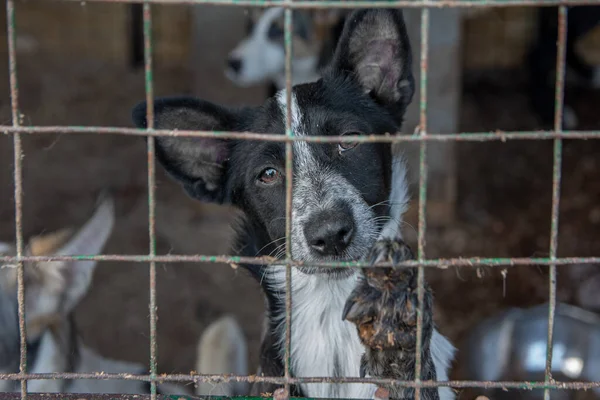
(422, 193)
(556, 182)
(18, 192)
(151, 193)
(289, 174)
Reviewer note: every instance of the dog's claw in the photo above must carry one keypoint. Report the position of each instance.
(374, 257)
(346, 313)
(384, 304)
(392, 251)
(363, 370)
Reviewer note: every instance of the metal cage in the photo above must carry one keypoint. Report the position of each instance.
(423, 136)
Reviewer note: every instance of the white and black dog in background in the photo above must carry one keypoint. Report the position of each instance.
(260, 56)
(52, 292)
(348, 201)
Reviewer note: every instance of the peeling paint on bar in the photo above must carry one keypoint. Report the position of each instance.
(149, 87)
(443, 263)
(422, 194)
(313, 4)
(18, 186)
(556, 181)
(183, 378)
(289, 175)
(389, 138)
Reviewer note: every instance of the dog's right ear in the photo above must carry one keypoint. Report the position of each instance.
(198, 163)
(374, 50)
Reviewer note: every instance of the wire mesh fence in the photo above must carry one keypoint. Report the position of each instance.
(423, 136)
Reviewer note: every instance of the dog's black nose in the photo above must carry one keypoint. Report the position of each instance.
(330, 232)
(235, 64)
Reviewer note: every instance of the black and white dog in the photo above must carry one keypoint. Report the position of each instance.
(348, 200)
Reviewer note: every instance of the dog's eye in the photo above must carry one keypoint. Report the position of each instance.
(345, 146)
(269, 176)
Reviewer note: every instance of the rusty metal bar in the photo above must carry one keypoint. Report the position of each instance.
(311, 4)
(279, 380)
(272, 137)
(556, 181)
(422, 194)
(289, 177)
(18, 189)
(96, 396)
(147, 19)
(102, 396)
(442, 263)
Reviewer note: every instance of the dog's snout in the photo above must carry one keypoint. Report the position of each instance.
(329, 233)
(235, 64)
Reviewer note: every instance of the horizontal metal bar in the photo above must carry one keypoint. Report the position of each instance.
(102, 396)
(11, 261)
(312, 4)
(189, 378)
(389, 138)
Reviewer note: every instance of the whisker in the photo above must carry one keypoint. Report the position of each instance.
(279, 250)
(270, 243)
(388, 202)
(386, 218)
(379, 204)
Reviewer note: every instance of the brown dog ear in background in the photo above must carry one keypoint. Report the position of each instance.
(54, 288)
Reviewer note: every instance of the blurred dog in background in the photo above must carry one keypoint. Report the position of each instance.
(260, 56)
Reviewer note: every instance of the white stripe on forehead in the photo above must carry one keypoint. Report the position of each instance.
(302, 155)
(296, 112)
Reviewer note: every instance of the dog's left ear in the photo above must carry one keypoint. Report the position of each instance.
(375, 50)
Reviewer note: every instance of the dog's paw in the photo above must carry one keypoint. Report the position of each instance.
(390, 250)
(384, 304)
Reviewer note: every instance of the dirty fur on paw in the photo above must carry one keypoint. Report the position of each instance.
(384, 304)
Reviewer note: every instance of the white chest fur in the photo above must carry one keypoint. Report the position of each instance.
(322, 345)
